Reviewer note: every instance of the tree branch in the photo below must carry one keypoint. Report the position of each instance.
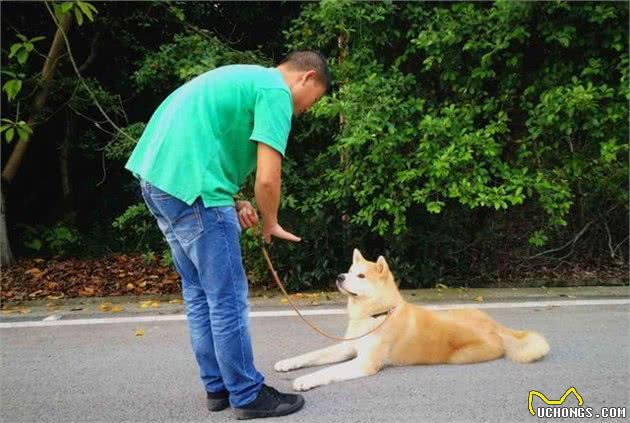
(92, 55)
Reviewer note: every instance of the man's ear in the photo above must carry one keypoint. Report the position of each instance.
(356, 256)
(381, 265)
(310, 75)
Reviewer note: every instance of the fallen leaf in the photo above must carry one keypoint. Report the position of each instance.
(105, 307)
(130, 286)
(441, 286)
(117, 309)
(35, 272)
(52, 285)
(55, 297)
(139, 332)
(15, 310)
(479, 298)
(88, 291)
(284, 301)
(155, 304)
(176, 301)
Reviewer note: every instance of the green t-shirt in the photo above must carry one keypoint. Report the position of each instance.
(201, 141)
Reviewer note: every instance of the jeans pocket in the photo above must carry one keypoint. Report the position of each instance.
(185, 220)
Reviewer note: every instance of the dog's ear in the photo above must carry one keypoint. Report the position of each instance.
(356, 256)
(381, 265)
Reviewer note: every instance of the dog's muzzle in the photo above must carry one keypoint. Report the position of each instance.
(340, 279)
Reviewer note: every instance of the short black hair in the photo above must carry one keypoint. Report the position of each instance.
(304, 60)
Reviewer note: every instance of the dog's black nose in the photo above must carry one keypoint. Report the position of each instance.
(341, 278)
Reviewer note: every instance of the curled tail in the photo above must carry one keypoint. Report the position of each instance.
(523, 346)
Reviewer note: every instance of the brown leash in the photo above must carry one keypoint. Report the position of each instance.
(315, 328)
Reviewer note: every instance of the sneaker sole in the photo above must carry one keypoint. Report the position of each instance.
(242, 414)
(218, 404)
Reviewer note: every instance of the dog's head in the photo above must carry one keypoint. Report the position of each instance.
(370, 286)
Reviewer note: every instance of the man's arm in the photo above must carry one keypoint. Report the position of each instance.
(267, 190)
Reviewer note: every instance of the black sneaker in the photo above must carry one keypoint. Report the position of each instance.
(218, 401)
(270, 403)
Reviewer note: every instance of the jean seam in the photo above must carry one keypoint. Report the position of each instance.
(240, 326)
(199, 220)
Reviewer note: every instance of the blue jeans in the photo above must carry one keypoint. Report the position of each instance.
(207, 255)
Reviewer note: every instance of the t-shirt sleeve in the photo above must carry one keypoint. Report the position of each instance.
(272, 118)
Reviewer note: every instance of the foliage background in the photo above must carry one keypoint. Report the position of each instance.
(469, 143)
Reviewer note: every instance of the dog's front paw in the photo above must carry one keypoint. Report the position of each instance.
(286, 365)
(304, 383)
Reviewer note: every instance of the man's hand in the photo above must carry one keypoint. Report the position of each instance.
(247, 215)
(277, 231)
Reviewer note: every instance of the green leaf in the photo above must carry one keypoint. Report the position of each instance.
(35, 244)
(58, 11)
(538, 238)
(12, 88)
(21, 37)
(435, 206)
(9, 134)
(25, 127)
(14, 49)
(22, 134)
(22, 56)
(79, 16)
(86, 10)
(36, 39)
(91, 7)
(66, 6)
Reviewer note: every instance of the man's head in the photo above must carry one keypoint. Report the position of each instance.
(307, 75)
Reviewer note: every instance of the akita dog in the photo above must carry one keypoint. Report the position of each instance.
(412, 335)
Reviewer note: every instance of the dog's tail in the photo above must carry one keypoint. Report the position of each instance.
(523, 346)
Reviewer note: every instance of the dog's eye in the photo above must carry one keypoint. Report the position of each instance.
(361, 275)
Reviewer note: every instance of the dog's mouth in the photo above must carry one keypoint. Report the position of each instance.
(344, 290)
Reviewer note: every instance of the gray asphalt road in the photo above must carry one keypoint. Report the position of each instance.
(104, 373)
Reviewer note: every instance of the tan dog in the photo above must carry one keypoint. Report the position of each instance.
(413, 334)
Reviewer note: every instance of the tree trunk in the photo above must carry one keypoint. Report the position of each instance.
(13, 164)
(6, 256)
(64, 166)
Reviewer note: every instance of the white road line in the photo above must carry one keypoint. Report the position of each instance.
(319, 312)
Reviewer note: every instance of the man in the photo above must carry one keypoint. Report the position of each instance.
(195, 153)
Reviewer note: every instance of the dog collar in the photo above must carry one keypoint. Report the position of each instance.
(376, 316)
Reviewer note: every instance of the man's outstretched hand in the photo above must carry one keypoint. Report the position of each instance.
(248, 218)
(277, 231)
